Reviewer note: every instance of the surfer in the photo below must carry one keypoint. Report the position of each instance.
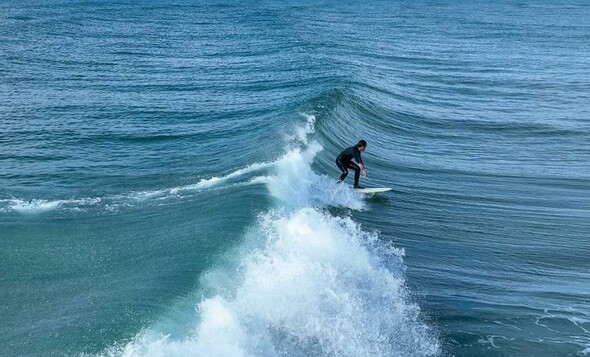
(344, 162)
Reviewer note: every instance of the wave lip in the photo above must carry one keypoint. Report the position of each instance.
(213, 181)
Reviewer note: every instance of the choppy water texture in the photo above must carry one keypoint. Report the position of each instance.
(167, 184)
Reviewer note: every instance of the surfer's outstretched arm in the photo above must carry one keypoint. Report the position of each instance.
(361, 165)
(361, 146)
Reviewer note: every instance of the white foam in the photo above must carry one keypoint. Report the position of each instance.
(112, 203)
(302, 132)
(34, 206)
(213, 181)
(145, 195)
(39, 205)
(316, 285)
(260, 180)
(490, 339)
(294, 183)
(578, 321)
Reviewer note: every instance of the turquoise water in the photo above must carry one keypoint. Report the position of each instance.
(167, 178)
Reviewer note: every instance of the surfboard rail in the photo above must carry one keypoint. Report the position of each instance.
(372, 190)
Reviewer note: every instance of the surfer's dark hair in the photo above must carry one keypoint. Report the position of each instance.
(361, 143)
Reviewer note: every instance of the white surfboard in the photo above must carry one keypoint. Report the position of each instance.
(372, 190)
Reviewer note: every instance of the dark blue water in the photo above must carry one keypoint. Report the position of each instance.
(167, 178)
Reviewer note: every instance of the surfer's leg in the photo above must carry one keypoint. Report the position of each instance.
(343, 169)
(357, 173)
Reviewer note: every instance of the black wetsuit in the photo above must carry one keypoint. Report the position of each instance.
(344, 162)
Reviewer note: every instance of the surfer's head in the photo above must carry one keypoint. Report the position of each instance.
(361, 145)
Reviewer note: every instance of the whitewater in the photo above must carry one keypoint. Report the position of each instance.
(302, 282)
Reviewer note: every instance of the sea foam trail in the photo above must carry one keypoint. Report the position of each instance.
(39, 205)
(216, 180)
(302, 283)
(131, 199)
(295, 162)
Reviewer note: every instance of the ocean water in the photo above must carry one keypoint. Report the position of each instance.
(167, 178)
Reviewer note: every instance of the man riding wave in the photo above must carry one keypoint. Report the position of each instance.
(344, 162)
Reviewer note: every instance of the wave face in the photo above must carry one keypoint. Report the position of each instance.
(168, 187)
(305, 282)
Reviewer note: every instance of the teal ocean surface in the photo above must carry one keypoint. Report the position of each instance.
(168, 186)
